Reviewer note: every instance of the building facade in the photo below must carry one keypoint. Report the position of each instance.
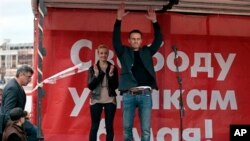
(11, 57)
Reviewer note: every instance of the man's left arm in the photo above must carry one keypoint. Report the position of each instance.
(156, 44)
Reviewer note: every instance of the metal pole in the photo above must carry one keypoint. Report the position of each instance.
(41, 52)
(179, 80)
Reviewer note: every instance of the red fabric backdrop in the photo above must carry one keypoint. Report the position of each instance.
(212, 56)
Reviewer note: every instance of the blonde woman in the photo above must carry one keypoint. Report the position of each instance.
(102, 81)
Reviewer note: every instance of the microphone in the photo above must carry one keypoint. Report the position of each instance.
(174, 50)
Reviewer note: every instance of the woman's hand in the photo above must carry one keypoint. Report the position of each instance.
(96, 71)
(111, 71)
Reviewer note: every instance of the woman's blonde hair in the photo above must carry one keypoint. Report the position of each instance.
(102, 46)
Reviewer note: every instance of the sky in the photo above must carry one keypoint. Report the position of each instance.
(16, 21)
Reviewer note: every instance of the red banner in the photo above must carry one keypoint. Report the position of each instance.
(212, 59)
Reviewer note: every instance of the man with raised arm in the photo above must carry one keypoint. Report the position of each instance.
(137, 78)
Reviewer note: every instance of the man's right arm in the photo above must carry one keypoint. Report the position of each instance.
(117, 43)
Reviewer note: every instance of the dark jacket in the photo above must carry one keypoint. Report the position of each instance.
(94, 83)
(126, 57)
(13, 96)
(14, 132)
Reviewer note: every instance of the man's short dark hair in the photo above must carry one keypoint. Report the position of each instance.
(16, 113)
(24, 69)
(135, 31)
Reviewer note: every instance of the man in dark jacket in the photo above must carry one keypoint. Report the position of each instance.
(137, 78)
(14, 95)
(14, 130)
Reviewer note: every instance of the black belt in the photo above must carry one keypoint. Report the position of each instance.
(139, 91)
